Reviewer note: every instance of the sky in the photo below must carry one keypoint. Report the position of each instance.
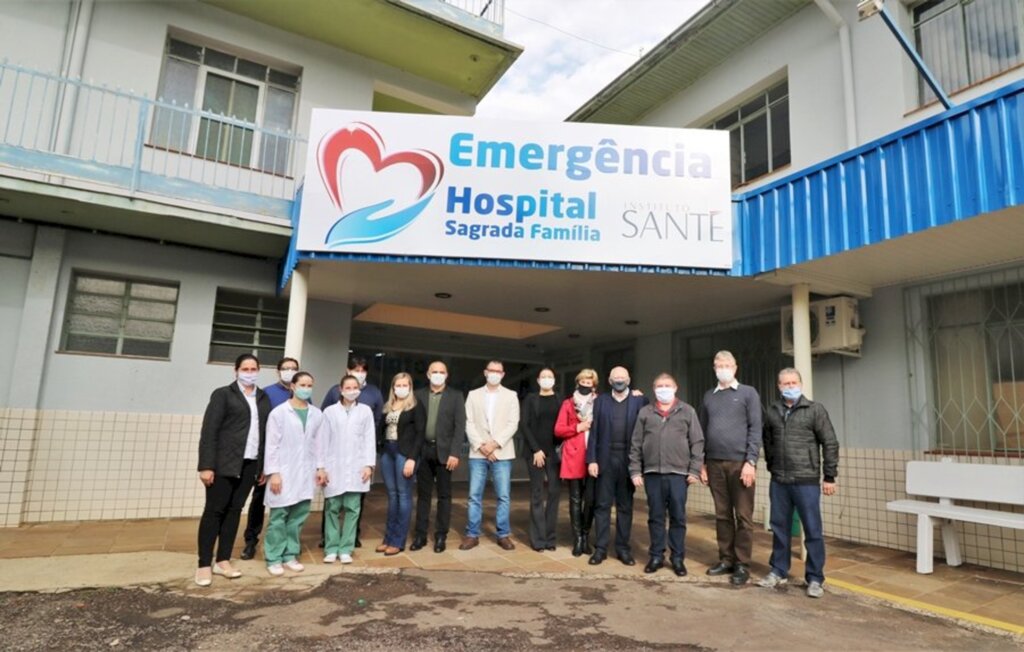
(558, 72)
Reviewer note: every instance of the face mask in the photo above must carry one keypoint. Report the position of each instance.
(287, 375)
(494, 378)
(583, 391)
(664, 394)
(304, 393)
(546, 383)
(401, 392)
(620, 385)
(437, 379)
(350, 394)
(360, 376)
(792, 393)
(725, 375)
(249, 378)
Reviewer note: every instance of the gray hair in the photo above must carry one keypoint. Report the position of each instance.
(791, 370)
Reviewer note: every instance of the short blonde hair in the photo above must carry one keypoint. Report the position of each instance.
(587, 373)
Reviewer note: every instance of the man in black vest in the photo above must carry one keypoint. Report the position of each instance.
(446, 432)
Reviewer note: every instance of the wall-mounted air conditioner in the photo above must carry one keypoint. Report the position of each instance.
(835, 327)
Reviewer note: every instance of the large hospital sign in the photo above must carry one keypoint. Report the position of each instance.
(387, 183)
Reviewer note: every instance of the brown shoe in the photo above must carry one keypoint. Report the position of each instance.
(381, 548)
(505, 543)
(391, 550)
(468, 543)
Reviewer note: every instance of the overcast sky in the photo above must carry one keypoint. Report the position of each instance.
(559, 72)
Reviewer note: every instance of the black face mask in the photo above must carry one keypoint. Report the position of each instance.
(583, 391)
(620, 385)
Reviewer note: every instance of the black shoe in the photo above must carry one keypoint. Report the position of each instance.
(440, 544)
(627, 559)
(721, 568)
(359, 544)
(654, 564)
(418, 543)
(679, 568)
(549, 548)
(598, 557)
(321, 544)
(250, 550)
(586, 543)
(740, 576)
(577, 547)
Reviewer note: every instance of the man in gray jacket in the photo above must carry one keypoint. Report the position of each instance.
(800, 446)
(665, 456)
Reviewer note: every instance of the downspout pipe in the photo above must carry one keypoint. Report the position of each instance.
(846, 58)
(78, 28)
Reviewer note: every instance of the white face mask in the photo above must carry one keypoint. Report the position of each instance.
(494, 378)
(664, 394)
(287, 375)
(248, 378)
(437, 379)
(401, 392)
(350, 394)
(546, 383)
(360, 376)
(725, 375)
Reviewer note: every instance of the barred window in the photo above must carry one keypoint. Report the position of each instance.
(758, 134)
(247, 323)
(119, 316)
(967, 41)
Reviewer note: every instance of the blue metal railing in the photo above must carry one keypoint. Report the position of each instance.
(56, 126)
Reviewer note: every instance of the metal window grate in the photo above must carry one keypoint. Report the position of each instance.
(966, 363)
(119, 316)
(247, 323)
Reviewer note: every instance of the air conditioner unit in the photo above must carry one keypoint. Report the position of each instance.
(835, 327)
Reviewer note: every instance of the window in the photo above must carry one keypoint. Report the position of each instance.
(118, 316)
(247, 323)
(758, 134)
(966, 41)
(244, 104)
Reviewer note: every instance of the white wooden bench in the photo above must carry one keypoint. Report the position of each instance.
(949, 481)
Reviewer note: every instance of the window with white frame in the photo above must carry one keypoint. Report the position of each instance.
(758, 134)
(966, 41)
(119, 316)
(245, 106)
(247, 323)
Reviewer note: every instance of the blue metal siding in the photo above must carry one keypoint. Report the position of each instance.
(964, 162)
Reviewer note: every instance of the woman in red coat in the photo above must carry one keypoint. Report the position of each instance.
(573, 428)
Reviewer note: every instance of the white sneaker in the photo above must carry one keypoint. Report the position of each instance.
(294, 565)
(346, 559)
(276, 570)
(331, 558)
(815, 590)
(771, 581)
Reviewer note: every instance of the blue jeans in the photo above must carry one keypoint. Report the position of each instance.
(501, 479)
(399, 495)
(806, 500)
(666, 492)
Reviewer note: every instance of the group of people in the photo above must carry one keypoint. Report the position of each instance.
(278, 446)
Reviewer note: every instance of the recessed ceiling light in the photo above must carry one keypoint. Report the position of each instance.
(631, 322)
(574, 336)
(542, 309)
(443, 295)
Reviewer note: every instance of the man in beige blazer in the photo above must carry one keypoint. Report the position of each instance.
(492, 418)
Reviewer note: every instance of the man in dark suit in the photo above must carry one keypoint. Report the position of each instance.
(608, 461)
(446, 432)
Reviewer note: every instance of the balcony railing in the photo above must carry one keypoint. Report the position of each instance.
(492, 10)
(104, 138)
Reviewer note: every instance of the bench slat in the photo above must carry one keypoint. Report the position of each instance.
(989, 483)
(959, 513)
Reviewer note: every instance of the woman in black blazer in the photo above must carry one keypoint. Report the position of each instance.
(403, 429)
(230, 462)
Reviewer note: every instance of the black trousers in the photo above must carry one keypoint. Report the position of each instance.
(431, 473)
(666, 492)
(222, 512)
(545, 489)
(614, 486)
(254, 523)
(581, 505)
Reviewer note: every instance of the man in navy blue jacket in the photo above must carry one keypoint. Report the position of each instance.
(608, 461)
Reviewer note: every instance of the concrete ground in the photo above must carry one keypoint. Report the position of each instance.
(476, 599)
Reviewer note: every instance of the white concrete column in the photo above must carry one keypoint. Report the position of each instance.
(297, 301)
(802, 335)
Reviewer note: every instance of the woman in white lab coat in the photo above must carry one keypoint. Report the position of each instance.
(291, 470)
(348, 454)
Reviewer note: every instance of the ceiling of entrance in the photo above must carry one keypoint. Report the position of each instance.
(584, 307)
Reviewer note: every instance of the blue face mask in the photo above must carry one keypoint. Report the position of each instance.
(304, 393)
(792, 393)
